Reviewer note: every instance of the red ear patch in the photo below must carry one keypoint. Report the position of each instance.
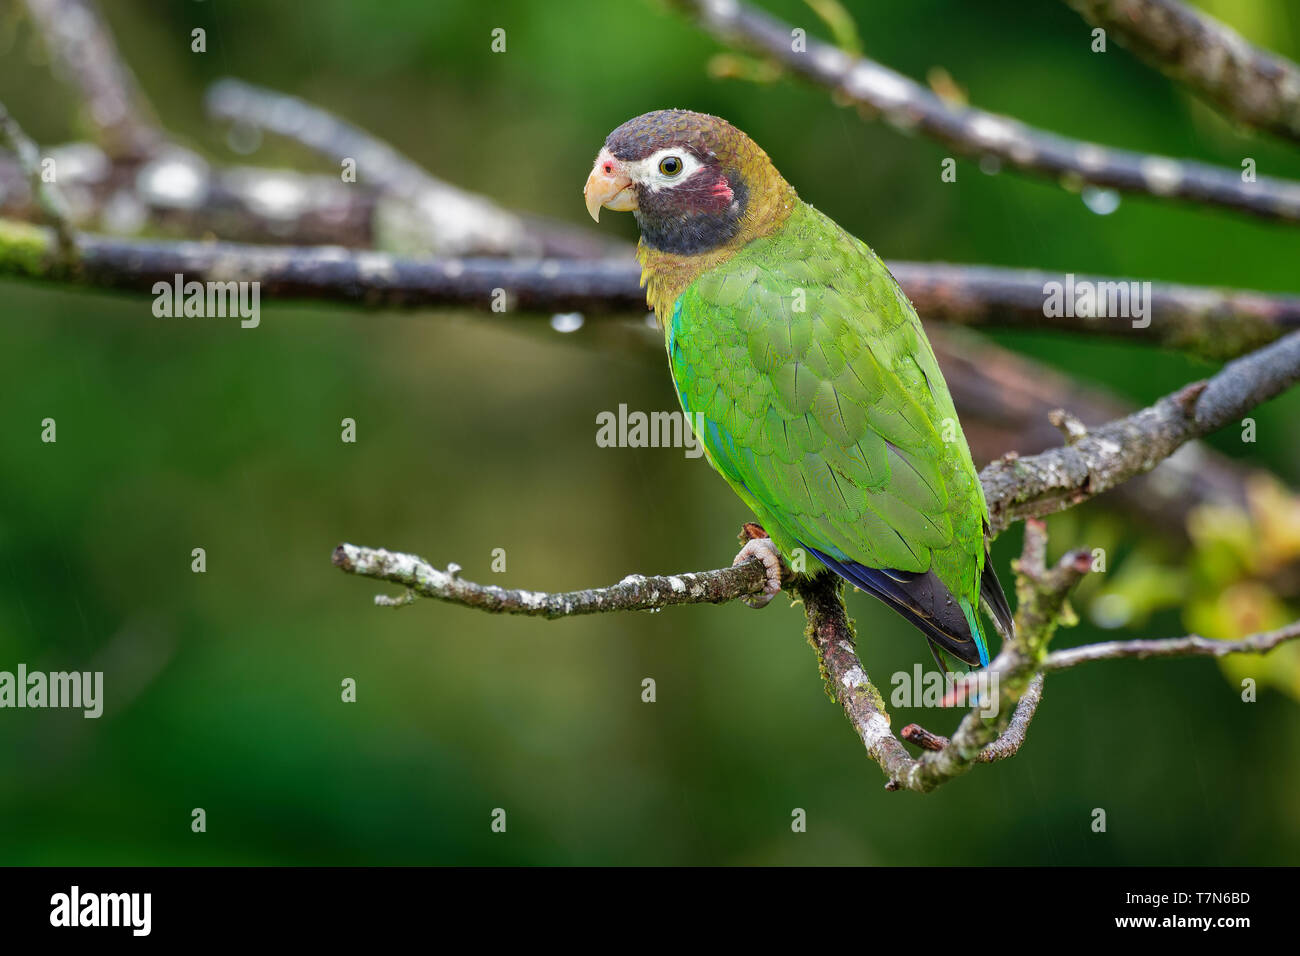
(722, 190)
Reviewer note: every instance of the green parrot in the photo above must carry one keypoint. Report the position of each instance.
(805, 366)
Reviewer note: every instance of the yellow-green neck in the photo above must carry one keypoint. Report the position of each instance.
(666, 275)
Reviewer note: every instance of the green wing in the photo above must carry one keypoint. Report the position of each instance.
(820, 401)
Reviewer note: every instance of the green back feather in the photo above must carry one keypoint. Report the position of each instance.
(824, 407)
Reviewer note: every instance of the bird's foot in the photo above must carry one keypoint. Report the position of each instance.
(759, 545)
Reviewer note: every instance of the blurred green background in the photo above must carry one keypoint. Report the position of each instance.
(477, 432)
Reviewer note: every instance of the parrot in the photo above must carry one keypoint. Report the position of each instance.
(803, 365)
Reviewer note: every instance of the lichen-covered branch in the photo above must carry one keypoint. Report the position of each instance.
(633, 593)
(981, 736)
(1104, 457)
(910, 107)
(1249, 85)
(1007, 744)
(1209, 322)
(1006, 401)
(831, 634)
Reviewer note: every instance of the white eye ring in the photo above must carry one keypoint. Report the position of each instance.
(646, 171)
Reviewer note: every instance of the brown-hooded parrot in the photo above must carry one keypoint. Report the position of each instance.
(806, 369)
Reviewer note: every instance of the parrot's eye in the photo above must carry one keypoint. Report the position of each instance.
(670, 165)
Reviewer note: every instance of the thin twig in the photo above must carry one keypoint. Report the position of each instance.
(1191, 646)
(1008, 744)
(53, 206)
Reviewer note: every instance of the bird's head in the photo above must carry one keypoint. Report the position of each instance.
(694, 182)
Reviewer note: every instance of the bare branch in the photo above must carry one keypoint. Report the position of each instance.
(332, 273)
(428, 213)
(1249, 85)
(984, 737)
(633, 593)
(82, 47)
(977, 739)
(1008, 744)
(910, 107)
(52, 204)
(981, 737)
(178, 193)
(1213, 323)
(1005, 401)
(1054, 480)
(1190, 646)
(1207, 321)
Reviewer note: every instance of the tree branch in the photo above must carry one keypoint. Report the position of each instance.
(1015, 488)
(633, 593)
(1054, 480)
(81, 46)
(1191, 646)
(831, 634)
(1006, 401)
(50, 200)
(1007, 744)
(429, 214)
(1210, 322)
(452, 221)
(1249, 85)
(980, 738)
(910, 107)
(177, 193)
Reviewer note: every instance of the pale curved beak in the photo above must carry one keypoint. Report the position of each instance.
(609, 186)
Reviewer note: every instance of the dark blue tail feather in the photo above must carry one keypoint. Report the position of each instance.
(920, 597)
